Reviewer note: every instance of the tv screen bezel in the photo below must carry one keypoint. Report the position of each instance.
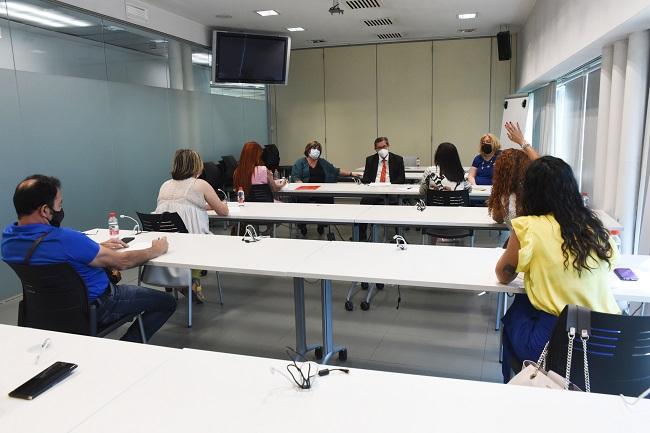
(215, 57)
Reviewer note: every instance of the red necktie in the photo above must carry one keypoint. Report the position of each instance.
(382, 177)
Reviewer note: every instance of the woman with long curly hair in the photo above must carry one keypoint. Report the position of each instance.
(565, 253)
(505, 201)
(506, 198)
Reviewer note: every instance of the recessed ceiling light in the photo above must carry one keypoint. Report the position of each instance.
(318, 41)
(467, 16)
(295, 29)
(268, 13)
(223, 16)
(466, 30)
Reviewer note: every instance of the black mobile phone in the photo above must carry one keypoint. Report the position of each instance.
(127, 239)
(43, 381)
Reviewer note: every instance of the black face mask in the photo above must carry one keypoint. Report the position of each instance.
(57, 217)
(486, 149)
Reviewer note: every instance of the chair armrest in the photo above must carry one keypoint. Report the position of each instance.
(92, 318)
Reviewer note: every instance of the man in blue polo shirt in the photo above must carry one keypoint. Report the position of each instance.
(38, 201)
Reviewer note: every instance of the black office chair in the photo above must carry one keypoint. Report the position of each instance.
(166, 222)
(229, 165)
(260, 193)
(55, 298)
(618, 351)
(448, 198)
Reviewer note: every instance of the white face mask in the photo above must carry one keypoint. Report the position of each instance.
(314, 154)
(383, 153)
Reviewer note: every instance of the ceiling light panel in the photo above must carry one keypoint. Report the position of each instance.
(469, 16)
(268, 13)
(295, 29)
(47, 17)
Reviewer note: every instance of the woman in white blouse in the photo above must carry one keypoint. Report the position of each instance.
(447, 174)
(191, 198)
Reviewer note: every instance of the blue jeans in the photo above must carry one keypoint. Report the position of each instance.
(525, 332)
(125, 300)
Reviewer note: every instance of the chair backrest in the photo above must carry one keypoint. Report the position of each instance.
(447, 198)
(618, 353)
(168, 222)
(410, 160)
(271, 156)
(54, 298)
(213, 174)
(260, 193)
(229, 166)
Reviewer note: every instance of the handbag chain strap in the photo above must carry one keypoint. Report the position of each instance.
(569, 356)
(584, 336)
(541, 362)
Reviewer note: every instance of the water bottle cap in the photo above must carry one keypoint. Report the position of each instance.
(585, 194)
(615, 232)
(112, 214)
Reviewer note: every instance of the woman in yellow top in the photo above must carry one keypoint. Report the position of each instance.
(565, 253)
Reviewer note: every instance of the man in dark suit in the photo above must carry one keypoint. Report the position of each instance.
(383, 166)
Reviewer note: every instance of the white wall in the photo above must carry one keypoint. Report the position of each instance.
(561, 35)
(159, 19)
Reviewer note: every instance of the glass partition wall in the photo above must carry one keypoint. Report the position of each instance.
(103, 105)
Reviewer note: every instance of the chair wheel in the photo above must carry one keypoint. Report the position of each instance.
(380, 286)
(330, 237)
(349, 306)
(365, 306)
(343, 355)
(364, 286)
(318, 352)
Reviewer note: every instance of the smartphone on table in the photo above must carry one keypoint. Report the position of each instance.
(626, 274)
(43, 381)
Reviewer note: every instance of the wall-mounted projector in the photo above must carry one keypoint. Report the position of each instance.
(336, 9)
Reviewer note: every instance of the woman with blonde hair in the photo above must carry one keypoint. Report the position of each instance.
(190, 197)
(483, 165)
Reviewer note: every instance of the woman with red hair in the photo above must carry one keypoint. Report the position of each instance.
(252, 171)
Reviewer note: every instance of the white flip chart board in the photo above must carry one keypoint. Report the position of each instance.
(515, 110)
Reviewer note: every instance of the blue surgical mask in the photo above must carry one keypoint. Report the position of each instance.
(314, 154)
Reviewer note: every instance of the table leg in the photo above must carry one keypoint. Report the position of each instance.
(375, 232)
(299, 312)
(497, 323)
(328, 340)
(189, 301)
(355, 232)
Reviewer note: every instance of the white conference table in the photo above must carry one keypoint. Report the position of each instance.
(376, 190)
(200, 391)
(409, 169)
(410, 176)
(106, 369)
(453, 268)
(475, 218)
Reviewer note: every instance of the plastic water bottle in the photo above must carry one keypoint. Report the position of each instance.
(585, 199)
(276, 175)
(241, 198)
(616, 237)
(417, 161)
(113, 225)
